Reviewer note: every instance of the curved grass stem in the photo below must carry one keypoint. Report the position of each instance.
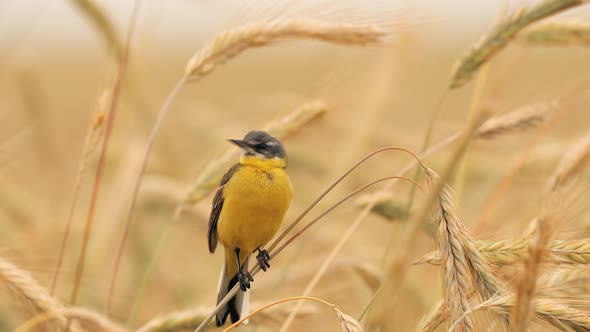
(102, 159)
(161, 115)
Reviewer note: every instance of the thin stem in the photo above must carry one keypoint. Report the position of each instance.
(101, 162)
(476, 97)
(321, 215)
(427, 138)
(312, 205)
(146, 275)
(66, 236)
(368, 306)
(257, 311)
(163, 111)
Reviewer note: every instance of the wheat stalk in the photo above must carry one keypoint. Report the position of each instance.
(230, 43)
(557, 33)
(454, 267)
(570, 164)
(504, 32)
(348, 323)
(520, 313)
(93, 135)
(484, 281)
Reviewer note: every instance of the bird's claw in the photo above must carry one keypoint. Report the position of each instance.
(263, 259)
(244, 278)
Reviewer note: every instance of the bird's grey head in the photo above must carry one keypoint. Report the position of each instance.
(260, 144)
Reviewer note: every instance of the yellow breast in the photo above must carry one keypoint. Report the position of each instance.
(256, 199)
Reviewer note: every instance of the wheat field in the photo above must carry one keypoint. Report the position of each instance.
(470, 212)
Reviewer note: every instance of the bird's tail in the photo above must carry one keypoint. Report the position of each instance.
(239, 305)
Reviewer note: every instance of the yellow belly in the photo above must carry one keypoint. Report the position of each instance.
(255, 202)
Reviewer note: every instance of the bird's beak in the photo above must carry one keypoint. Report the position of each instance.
(240, 143)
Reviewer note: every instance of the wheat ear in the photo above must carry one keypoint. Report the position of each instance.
(509, 252)
(523, 118)
(484, 281)
(454, 267)
(556, 313)
(557, 33)
(491, 44)
(23, 284)
(230, 43)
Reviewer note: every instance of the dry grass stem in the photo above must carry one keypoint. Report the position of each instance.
(188, 319)
(282, 128)
(94, 134)
(112, 112)
(504, 32)
(520, 313)
(177, 321)
(523, 118)
(348, 323)
(230, 43)
(557, 33)
(570, 164)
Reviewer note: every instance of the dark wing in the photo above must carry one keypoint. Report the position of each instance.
(217, 206)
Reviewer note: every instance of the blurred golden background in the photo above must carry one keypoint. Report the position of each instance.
(55, 67)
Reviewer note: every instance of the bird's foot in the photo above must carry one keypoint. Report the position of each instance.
(263, 259)
(244, 278)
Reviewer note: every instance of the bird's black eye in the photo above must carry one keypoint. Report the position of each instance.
(261, 146)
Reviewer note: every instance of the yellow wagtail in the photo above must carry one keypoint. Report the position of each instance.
(248, 209)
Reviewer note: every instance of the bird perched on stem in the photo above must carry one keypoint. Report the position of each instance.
(248, 208)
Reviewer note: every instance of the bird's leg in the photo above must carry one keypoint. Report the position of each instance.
(244, 277)
(263, 257)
